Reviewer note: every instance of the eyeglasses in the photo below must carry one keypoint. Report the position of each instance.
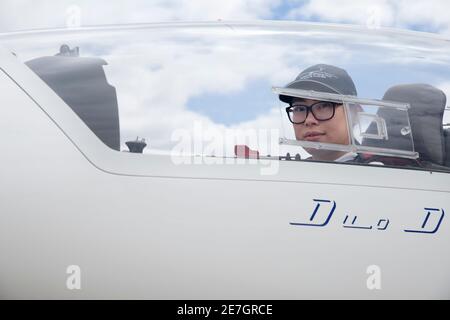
(322, 111)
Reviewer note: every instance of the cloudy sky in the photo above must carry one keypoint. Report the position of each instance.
(422, 15)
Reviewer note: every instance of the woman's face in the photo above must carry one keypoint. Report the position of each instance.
(334, 130)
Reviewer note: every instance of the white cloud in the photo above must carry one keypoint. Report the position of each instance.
(184, 70)
(430, 14)
(357, 12)
(37, 14)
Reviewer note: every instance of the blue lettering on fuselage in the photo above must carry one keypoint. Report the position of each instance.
(324, 209)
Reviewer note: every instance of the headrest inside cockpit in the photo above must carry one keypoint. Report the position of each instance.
(426, 115)
(427, 105)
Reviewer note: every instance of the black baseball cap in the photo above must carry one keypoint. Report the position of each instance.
(322, 78)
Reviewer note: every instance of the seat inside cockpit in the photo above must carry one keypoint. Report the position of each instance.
(427, 106)
(425, 115)
(81, 82)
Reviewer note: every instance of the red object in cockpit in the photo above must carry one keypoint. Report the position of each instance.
(243, 151)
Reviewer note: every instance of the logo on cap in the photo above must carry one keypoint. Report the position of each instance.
(317, 74)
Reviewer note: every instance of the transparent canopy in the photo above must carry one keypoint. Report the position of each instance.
(205, 88)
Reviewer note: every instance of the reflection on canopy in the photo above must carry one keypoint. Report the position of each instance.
(159, 70)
